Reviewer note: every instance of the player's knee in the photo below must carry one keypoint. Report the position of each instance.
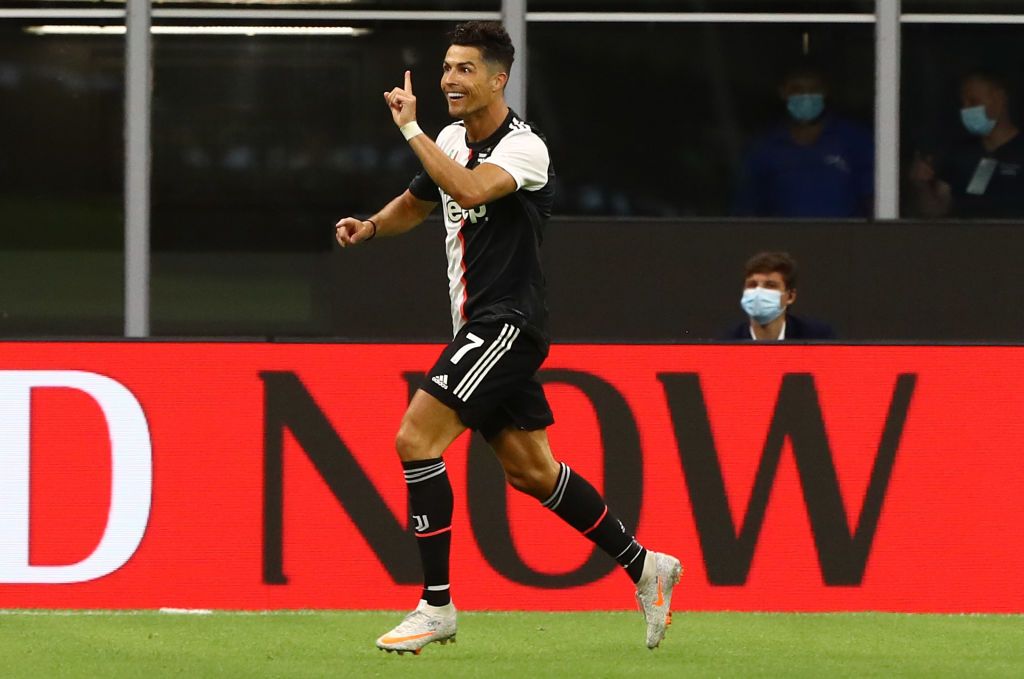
(411, 444)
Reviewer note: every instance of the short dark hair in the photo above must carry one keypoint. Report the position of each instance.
(490, 37)
(805, 68)
(773, 262)
(991, 76)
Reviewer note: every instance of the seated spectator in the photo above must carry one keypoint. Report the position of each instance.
(769, 290)
(983, 178)
(815, 164)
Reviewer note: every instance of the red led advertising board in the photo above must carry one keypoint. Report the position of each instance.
(263, 476)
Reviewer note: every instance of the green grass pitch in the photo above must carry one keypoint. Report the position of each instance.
(522, 645)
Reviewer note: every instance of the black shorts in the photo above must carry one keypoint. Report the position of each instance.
(486, 375)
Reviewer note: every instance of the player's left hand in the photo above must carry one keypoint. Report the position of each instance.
(401, 102)
(350, 231)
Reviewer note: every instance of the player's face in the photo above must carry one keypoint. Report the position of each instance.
(978, 92)
(467, 81)
(771, 281)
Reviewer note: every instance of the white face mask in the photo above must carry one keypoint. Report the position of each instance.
(762, 305)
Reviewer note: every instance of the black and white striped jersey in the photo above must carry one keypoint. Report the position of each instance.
(494, 265)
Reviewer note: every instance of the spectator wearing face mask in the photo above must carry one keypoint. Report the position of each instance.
(813, 165)
(769, 290)
(983, 178)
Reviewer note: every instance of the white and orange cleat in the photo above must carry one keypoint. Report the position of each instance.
(654, 593)
(425, 625)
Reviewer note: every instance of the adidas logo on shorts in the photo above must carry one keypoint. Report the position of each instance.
(440, 380)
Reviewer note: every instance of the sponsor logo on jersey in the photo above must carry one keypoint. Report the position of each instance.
(455, 214)
(440, 380)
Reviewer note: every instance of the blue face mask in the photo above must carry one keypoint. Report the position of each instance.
(805, 107)
(762, 305)
(976, 120)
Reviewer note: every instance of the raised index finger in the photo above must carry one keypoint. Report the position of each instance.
(408, 82)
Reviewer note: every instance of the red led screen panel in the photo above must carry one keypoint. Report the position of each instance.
(263, 476)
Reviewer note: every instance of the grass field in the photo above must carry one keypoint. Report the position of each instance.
(525, 645)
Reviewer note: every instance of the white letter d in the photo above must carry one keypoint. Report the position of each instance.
(131, 482)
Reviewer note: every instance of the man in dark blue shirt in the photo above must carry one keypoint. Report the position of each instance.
(815, 165)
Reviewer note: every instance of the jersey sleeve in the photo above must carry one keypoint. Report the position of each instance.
(524, 156)
(424, 188)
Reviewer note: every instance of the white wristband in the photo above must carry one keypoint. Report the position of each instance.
(410, 130)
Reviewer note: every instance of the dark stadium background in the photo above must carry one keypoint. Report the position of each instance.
(261, 143)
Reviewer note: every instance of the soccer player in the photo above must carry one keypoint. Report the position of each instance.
(492, 174)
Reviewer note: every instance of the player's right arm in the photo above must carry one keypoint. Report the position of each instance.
(400, 215)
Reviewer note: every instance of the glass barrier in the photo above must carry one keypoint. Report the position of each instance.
(61, 183)
(962, 154)
(262, 141)
(961, 6)
(759, 6)
(675, 119)
(302, 5)
(260, 144)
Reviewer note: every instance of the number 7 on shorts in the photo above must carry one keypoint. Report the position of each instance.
(474, 343)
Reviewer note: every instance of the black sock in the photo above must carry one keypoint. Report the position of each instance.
(580, 505)
(430, 510)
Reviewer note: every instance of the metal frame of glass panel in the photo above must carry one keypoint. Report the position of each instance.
(138, 116)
